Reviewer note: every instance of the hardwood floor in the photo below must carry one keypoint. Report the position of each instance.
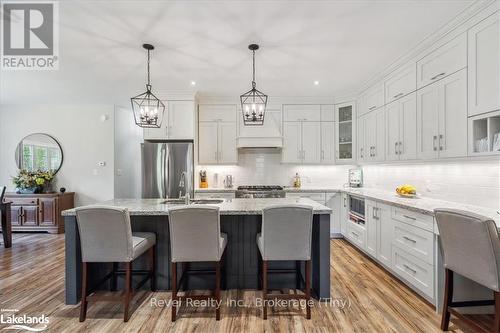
(32, 281)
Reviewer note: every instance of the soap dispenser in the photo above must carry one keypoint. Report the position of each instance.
(296, 181)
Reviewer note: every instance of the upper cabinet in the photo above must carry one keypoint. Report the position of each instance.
(444, 61)
(401, 129)
(178, 122)
(327, 112)
(484, 66)
(442, 118)
(302, 112)
(372, 99)
(374, 138)
(217, 134)
(302, 142)
(401, 83)
(345, 133)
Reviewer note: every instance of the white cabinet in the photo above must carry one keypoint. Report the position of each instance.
(302, 142)
(484, 134)
(484, 66)
(445, 60)
(178, 122)
(217, 142)
(371, 227)
(361, 139)
(417, 272)
(401, 129)
(379, 232)
(401, 83)
(217, 112)
(374, 146)
(442, 118)
(334, 201)
(345, 133)
(327, 142)
(292, 142)
(302, 112)
(208, 142)
(372, 99)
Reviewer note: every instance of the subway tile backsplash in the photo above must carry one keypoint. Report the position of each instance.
(474, 181)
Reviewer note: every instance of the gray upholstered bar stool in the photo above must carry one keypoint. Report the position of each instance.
(106, 236)
(195, 237)
(286, 235)
(471, 248)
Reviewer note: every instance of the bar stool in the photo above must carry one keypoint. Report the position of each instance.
(286, 235)
(106, 236)
(471, 247)
(195, 237)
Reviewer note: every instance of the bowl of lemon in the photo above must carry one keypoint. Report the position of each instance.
(407, 191)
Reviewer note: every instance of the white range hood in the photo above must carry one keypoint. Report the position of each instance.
(268, 135)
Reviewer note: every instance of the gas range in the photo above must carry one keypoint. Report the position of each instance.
(260, 191)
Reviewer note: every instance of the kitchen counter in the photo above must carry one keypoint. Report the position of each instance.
(241, 220)
(420, 204)
(157, 207)
(215, 190)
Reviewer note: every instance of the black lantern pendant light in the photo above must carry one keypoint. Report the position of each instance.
(253, 102)
(148, 109)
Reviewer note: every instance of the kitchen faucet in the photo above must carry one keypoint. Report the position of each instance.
(182, 184)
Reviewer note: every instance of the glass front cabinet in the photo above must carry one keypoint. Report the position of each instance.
(345, 138)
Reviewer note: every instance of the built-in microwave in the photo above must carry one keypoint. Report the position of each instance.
(357, 210)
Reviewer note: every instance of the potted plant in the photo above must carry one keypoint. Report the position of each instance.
(29, 182)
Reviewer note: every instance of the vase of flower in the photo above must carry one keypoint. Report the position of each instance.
(29, 182)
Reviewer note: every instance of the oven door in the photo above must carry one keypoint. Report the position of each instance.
(357, 206)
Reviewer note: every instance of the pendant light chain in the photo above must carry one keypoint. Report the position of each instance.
(253, 81)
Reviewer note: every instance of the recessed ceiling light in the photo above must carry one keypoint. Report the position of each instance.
(193, 83)
(316, 83)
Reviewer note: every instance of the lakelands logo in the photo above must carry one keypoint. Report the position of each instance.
(30, 35)
(23, 322)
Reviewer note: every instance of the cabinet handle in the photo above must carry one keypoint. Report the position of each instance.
(355, 234)
(398, 95)
(409, 217)
(400, 148)
(361, 152)
(438, 75)
(372, 108)
(434, 138)
(440, 141)
(396, 148)
(345, 202)
(215, 155)
(409, 239)
(410, 269)
(374, 151)
(220, 155)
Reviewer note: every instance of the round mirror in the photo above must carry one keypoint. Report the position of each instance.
(39, 152)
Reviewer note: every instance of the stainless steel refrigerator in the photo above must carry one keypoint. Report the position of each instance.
(167, 169)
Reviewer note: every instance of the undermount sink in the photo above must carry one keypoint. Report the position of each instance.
(193, 201)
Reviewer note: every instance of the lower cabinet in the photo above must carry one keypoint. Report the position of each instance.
(399, 239)
(39, 212)
(218, 195)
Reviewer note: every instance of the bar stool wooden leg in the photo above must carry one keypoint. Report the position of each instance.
(308, 288)
(496, 327)
(128, 290)
(174, 290)
(152, 265)
(264, 289)
(83, 302)
(217, 289)
(297, 274)
(448, 298)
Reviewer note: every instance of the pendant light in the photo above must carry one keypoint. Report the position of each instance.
(253, 102)
(148, 109)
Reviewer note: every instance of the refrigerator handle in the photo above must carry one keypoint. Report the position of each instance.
(163, 171)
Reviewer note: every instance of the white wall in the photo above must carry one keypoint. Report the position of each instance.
(264, 167)
(85, 139)
(467, 181)
(128, 137)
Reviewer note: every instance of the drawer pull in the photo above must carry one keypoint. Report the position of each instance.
(438, 75)
(355, 234)
(409, 217)
(409, 239)
(372, 108)
(410, 269)
(398, 95)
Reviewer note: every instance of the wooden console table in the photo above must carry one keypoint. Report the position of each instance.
(39, 212)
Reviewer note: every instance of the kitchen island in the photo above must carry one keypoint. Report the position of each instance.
(240, 219)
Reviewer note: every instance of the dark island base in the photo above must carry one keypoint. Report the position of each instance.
(240, 269)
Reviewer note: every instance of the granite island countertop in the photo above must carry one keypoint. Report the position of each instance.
(241, 206)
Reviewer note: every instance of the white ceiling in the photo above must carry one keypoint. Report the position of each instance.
(339, 43)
